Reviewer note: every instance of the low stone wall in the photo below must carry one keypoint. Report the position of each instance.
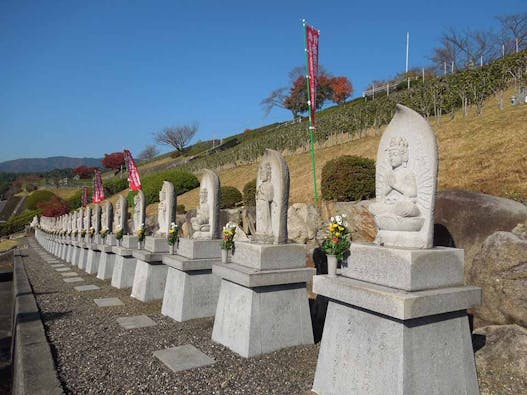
(33, 367)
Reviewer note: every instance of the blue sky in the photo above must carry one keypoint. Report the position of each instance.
(84, 78)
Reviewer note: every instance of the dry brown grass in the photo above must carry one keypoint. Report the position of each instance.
(485, 153)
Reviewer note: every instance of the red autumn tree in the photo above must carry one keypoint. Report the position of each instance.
(84, 171)
(113, 161)
(342, 89)
(54, 207)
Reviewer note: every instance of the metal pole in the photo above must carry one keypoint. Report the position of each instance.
(516, 44)
(311, 126)
(423, 75)
(444, 66)
(452, 67)
(502, 50)
(407, 50)
(481, 62)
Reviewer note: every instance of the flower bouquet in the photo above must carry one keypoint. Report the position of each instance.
(91, 232)
(227, 243)
(141, 235)
(104, 232)
(337, 242)
(173, 236)
(119, 235)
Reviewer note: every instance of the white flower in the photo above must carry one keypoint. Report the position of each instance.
(344, 216)
(332, 219)
(338, 218)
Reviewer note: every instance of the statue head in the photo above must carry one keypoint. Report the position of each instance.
(398, 152)
(265, 171)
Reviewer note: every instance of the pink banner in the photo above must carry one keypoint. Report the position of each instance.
(312, 36)
(133, 175)
(98, 190)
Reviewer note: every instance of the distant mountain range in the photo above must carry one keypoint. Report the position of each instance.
(37, 165)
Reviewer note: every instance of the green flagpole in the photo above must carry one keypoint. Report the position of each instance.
(311, 127)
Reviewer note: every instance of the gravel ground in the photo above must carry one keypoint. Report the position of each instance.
(93, 354)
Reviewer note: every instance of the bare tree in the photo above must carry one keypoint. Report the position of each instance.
(149, 152)
(275, 99)
(514, 32)
(466, 49)
(177, 136)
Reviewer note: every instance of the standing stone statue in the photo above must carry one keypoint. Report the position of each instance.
(120, 217)
(406, 182)
(86, 222)
(96, 218)
(272, 198)
(80, 216)
(139, 215)
(166, 211)
(107, 215)
(206, 223)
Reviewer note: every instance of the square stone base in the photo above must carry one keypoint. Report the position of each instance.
(92, 261)
(365, 352)
(149, 281)
(198, 249)
(156, 244)
(83, 258)
(130, 241)
(123, 271)
(270, 256)
(254, 321)
(404, 268)
(191, 294)
(106, 263)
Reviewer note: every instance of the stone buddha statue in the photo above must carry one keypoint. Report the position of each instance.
(201, 222)
(396, 208)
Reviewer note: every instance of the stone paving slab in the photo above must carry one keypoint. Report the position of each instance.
(106, 302)
(62, 269)
(183, 358)
(69, 274)
(138, 321)
(89, 287)
(73, 280)
(58, 265)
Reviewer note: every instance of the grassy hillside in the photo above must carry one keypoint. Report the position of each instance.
(486, 153)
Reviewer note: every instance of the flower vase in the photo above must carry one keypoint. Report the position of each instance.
(171, 249)
(119, 242)
(140, 244)
(332, 265)
(224, 256)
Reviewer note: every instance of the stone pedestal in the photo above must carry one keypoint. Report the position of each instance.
(261, 311)
(83, 256)
(75, 254)
(156, 244)
(198, 249)
(92, 260)
(379, 339)
(106, 262)
(124, 268)
(130, 242)
(150, 276)
(191, 289)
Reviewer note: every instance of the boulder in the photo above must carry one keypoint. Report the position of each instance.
(303, 221)
(465, 219)
(361, 221)
(502, 362)
(500, 269)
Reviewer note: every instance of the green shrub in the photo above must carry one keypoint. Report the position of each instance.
(75, 201)
(348, 178)
(230, 197)
(115, 185)
(17, 223)
(152, 183)
(180, 209)
(249, 194)
(38, 197)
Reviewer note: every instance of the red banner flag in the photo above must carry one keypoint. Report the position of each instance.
(98, 190)
(133, 175)
(312, 36)
(84, 196)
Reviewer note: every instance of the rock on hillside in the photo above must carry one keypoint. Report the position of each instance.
(500, 269)
(502, 361)
(468, 218)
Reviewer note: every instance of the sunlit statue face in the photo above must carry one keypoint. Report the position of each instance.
(396, 157)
